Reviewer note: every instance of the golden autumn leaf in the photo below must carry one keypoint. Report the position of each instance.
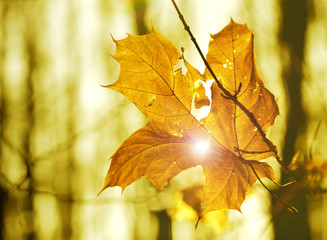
(225, 143)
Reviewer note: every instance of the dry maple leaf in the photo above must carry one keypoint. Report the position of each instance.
(167, 145)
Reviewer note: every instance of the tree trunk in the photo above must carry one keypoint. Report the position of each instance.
(293, 29)
(164, 225)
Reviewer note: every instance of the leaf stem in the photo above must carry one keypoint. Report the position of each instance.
(232, 97)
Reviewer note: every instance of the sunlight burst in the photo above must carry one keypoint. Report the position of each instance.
(201, 147)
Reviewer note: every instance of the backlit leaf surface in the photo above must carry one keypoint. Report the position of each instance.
(225, 143)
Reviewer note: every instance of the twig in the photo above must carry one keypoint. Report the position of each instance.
(72, 199)
(290, 208)
(232, 97)
(313, 140)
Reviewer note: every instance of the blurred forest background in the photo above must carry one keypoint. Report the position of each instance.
(58, 126)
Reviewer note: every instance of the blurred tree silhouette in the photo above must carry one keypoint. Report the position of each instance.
(3, 191)
(292, 37)
(27, 135)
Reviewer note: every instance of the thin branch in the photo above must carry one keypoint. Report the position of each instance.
(6, 180)
(290, 208)
(313, 140)
(9, 144)
(232, 97)
(251, 152)
(66, 144)
(72, 199)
